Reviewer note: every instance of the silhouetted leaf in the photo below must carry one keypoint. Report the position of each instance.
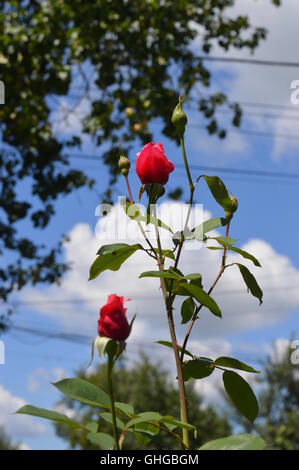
(241, 395)
(251, 282)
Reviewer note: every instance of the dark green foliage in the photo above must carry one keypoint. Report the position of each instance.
(5, 442)
(278, 421)
(147, 386)
(133, 48)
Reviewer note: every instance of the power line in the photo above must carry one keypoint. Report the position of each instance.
(85, 339)
(235, 60)
(237, 171)
(74, 338)
(253, 104)
(248, 113)
(254, 133)
(138, 297)
(263, 115)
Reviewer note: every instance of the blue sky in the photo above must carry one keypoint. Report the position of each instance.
(266, 221)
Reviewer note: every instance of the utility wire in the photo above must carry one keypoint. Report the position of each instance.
(254, 133)
(254, 104)
(235, 60)
(248, 113)
(139, 297)
(237, 171)
(84, 339)
(286, 117)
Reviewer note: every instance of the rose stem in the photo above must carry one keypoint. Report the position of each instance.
(168, 305)
(197, 310)
(139, 224)
(111, 394)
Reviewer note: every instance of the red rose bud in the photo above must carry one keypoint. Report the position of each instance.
(113, 322)
(152, 165)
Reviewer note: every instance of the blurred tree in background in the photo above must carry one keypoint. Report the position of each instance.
(132, 59)
(278, 421)
(5, 442)
(146, 386)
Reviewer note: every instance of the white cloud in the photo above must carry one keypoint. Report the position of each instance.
(211, 336)
(234, 146)
(67, 411)
(278, 349)
(19, 426)
(23, 446)
(265, 84)
(40, 375)
(81, 299)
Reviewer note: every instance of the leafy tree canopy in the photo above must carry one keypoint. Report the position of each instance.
(5, 442)
(143, 53)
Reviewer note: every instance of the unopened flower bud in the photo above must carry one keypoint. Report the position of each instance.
(233, 207)
(129, 112)
(137, 127)
(235, 203)
(124, 165)
(113, 322)
(179, 118)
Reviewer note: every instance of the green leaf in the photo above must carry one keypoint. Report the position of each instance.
(147, 428)
(171, 274)
(193, 277)
(196, 281)
(126, 408)
(197, 369)
(91, 352)
(251, 283)
(221, 194)
(106, 416)
(186, 234)
(84, 392)
(173, 423)
(187, 310)
(234, 364)
(201, 296)
(143, 439)
(168, 344)
(246, 255)
(92, 427)
(237, 442)
(166, 253)
(48, 414)
(105, 249)
(163, 274)
(241, 394)
(106, 345)
(143, 418)
(134, 213)
(208, 226)
(224, 241)
(101, 439)
(112, 257)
